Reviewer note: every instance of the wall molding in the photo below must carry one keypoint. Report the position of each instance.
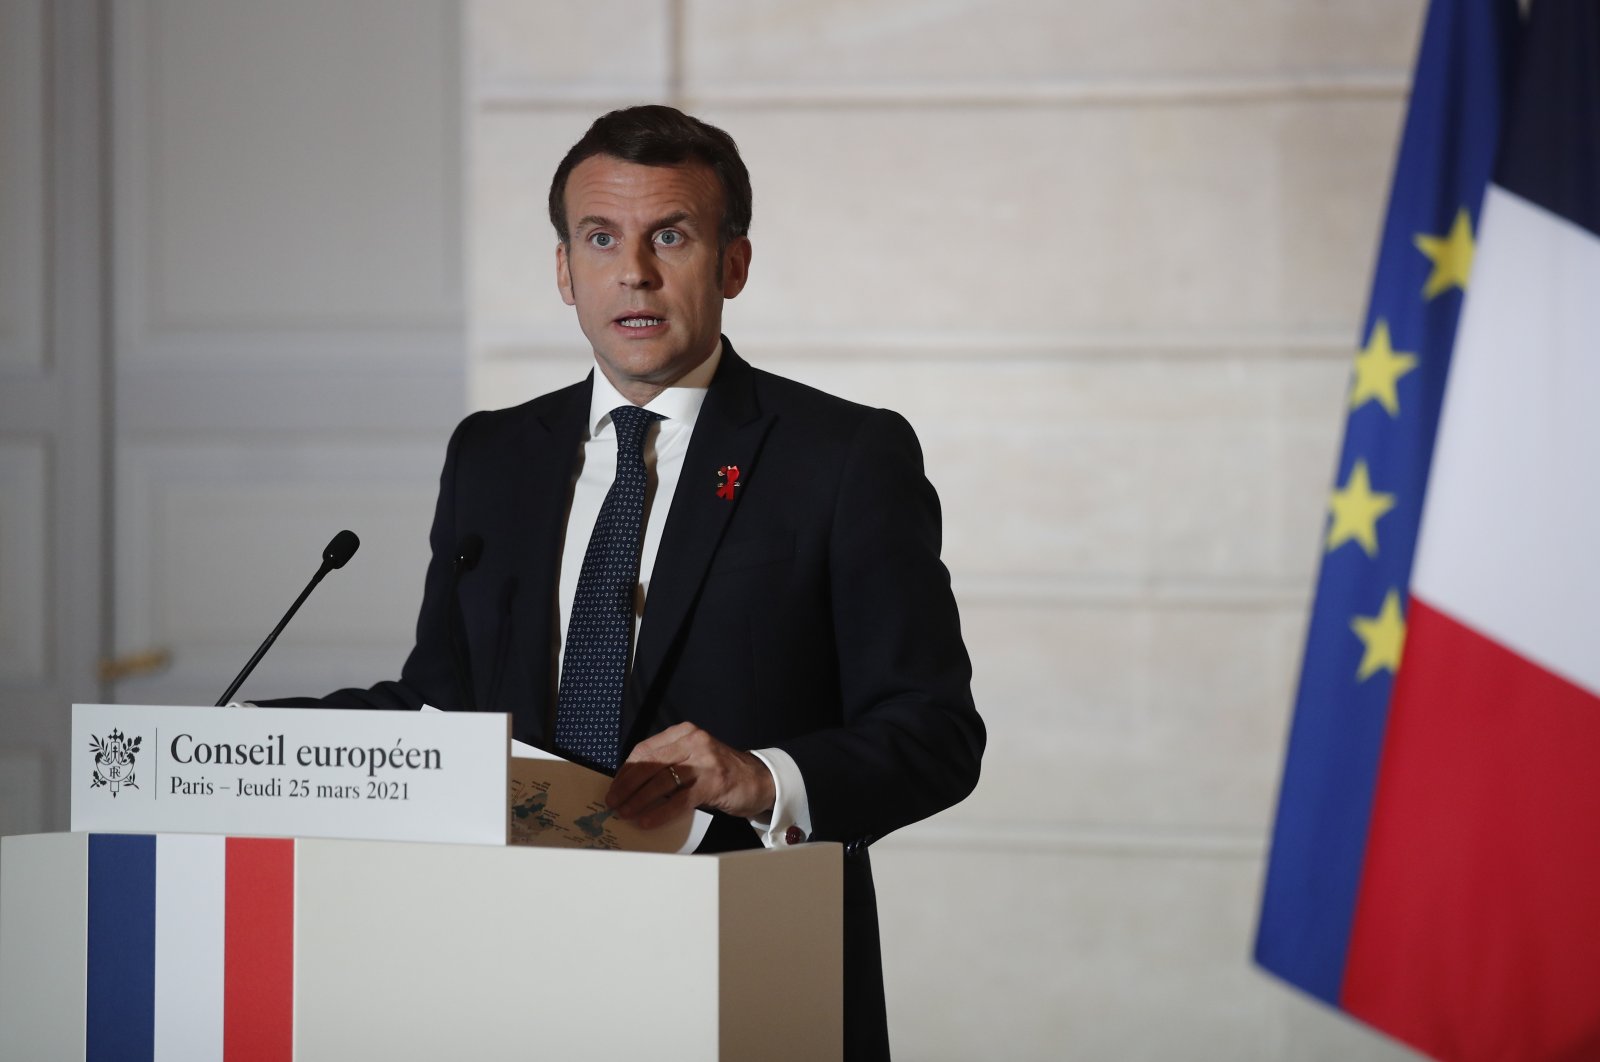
(518, 94)
(1080, 839)
(1173, 594)
(538, 345)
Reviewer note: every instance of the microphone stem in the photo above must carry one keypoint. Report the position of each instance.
(458, 663)
(287, 616)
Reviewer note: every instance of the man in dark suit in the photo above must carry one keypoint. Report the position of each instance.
(790, 656)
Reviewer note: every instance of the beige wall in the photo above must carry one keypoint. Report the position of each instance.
(1110, 260)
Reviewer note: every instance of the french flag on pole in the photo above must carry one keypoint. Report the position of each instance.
(1435, 865)
(190, 948)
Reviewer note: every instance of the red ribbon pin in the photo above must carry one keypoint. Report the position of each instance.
(727, 480)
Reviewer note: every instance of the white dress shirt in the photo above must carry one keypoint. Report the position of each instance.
(665, 443)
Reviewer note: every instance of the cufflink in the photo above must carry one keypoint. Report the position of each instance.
(794, 835)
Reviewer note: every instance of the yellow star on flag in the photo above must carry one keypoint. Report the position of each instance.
(1378, 370)
(1384, 635)
(1356, 508)
(1451, 255)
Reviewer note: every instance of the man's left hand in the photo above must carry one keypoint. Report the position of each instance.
(685, 767)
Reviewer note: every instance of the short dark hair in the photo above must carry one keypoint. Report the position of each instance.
(657, 135)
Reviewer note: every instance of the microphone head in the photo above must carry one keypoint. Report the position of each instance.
(340, 549)
(468, 552)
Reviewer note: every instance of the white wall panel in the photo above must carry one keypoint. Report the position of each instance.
(1059, 222)
(513, 273)
(499, 382)
(290, 329)
(288, 182)
(834, 45)
(1118, 471)
(22, 185)
(620, 50)
(218, 540)
(26, 614)
(1138, 717)
(1039, 955)
(1057, 225)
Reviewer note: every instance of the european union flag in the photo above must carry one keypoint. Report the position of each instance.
(1357, 626)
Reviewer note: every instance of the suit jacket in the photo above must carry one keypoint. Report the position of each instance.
(810, 612)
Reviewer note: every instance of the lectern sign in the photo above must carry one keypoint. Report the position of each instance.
(290, 772)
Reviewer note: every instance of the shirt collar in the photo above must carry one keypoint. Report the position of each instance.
(680, 402)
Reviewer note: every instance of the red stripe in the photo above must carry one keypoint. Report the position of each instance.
(258, 991)
(1477, 928)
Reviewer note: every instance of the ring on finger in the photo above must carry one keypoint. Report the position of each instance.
(677, 783)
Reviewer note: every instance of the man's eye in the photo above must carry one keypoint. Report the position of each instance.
(669, 238)
(601, 239)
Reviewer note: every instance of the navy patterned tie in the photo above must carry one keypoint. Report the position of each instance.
(594, 659)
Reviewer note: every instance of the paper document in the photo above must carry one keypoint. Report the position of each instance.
(560, 804)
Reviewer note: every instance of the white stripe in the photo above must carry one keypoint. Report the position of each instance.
(1510, 540)
(191, 879)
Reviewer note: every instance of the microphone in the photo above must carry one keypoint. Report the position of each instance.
(340, 549)
(468, 553)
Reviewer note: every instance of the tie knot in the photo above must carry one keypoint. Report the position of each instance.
(631, 423)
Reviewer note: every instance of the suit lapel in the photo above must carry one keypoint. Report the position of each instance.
(540, 505)
(728, 431)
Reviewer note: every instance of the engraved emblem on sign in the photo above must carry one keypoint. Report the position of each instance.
(113, 761)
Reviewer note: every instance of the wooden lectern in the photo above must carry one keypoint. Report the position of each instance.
(193, 946)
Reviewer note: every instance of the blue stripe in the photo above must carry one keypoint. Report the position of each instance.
(1330, 770)
(121, 1020)
(1551, 155)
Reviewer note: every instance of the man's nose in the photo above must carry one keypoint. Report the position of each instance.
(639, 266)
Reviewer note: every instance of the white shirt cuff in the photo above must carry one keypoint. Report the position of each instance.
(789, 807)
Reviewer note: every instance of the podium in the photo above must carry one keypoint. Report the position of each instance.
(174, 946)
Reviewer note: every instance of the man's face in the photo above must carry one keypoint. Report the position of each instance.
(642, 268)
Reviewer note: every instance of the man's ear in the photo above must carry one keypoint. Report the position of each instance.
(735, 267)
(564, 276)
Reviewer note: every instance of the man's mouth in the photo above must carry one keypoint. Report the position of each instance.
(640, 322)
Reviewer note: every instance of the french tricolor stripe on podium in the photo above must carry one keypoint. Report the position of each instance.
(190, 948)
